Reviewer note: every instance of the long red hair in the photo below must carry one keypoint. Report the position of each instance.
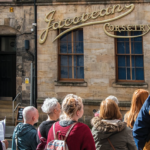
(138, 98)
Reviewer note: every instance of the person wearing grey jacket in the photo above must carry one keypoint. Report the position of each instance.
(109, 132)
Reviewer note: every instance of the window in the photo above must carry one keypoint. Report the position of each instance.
(8, 44)
(129, 57)
(71, 58)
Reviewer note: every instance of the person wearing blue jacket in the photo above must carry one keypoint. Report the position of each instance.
(25, 133)
(141, 129)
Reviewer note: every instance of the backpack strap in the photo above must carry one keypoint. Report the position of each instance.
(39, 133)
(69, 130)
(54, 134)
(110, 144)
(16, 141)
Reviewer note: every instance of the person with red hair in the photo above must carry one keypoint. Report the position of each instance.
(108, 131)
(138, 99)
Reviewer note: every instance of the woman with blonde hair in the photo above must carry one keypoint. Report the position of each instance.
(138, 99)
(79, 136)
(109, 131)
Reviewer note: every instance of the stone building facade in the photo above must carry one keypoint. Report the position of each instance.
(19, 24)
(16, 24)
(99, 77)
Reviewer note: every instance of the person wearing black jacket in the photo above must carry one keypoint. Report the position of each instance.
(52, 108)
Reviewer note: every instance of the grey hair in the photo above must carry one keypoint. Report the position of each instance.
(113, 98)
(28, 113)
(49, 105)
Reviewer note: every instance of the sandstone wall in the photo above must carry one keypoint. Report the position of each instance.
(99, 57)
(19, 23)
(99, 54)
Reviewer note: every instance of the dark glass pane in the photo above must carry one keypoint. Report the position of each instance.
(63, 38)
(133, 61)
(139, 61)
(69, 36)
(64, 72)
(139, 74)
(80, 61)
(120, 39)
(134, 33)
(138, 48)
(70, 72)
(132, 47)
(126, 34)
(63, 47)
(121, 61)
(120, 47)
(80, 72)
(122, 73)
(120, 34)
(75, 60)
(78, 35)
(78, 47)
(126, 39)
(75, 72)
(70, 60)
(128, 61)
(69, 47)
(64, 60)
(74, 47)
(133, 73)
(128, 74)
(8, 44)
(127, 48)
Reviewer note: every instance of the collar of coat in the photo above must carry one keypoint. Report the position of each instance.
(108, 125)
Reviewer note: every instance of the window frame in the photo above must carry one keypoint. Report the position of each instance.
(71, 54)
(116, 60)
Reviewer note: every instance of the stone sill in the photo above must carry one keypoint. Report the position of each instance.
(72, 83)
(129, 85)
(92, 102)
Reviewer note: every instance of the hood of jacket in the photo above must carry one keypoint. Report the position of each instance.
(107, 127)
(22, 129)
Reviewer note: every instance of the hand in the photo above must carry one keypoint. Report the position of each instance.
(6, 143)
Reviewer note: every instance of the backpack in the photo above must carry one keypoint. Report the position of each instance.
(57, 144)
(43, 141)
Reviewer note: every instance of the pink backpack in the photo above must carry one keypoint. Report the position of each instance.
(43, 141)
(59, 144)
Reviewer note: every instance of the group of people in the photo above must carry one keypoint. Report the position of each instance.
(110, 130)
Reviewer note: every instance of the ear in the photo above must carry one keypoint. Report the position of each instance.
(33, 118)
(55, 110)
(77, 112)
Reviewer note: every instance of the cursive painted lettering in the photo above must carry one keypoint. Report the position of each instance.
(81, 19)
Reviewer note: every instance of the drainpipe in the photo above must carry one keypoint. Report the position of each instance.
(35, 54)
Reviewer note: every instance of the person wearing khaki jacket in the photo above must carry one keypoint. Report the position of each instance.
(109, 132)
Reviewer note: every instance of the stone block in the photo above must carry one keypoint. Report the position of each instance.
(62, 95)
(23, 87)
(6, 21)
